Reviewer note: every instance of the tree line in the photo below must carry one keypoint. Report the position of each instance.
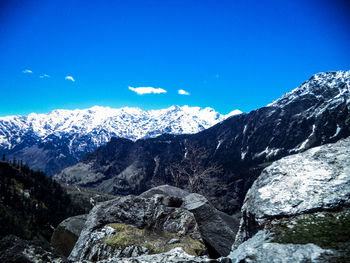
(31, 204)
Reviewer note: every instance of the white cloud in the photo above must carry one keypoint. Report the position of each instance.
(69, 78)
(44, 76)
(147, 90)
(183, 92)
(26, 71)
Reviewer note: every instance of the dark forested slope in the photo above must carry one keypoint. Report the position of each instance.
(31, 204)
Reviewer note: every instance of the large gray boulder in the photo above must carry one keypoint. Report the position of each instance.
(316, 179)
(300, 199)
(218, 229)
(166, 190)
(67, 233)
(131, 226)
(214, 230)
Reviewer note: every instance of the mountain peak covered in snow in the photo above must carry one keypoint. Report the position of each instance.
(97, 125)
(331, 84)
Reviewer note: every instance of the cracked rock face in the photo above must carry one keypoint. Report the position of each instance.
(299, 200)
(217, 229)
(176, 255)
(259, 249)
(318, 179)
(131, 226)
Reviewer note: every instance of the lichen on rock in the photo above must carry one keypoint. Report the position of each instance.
(132, 226)
(151, 241)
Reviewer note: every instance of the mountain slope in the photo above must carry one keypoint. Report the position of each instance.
(32, 204)
(50, 142)
(229, 155)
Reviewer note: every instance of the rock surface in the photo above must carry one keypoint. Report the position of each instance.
(318, 179)
(16, 250)
(176, 255)
(218, 229)
(155, 222)
(67, 233)
(298, 200)
(258, 249)
(132, 226)
(214, 230)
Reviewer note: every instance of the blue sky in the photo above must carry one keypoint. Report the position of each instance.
(226, 54)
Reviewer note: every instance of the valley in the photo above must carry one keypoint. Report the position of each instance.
(250, 185)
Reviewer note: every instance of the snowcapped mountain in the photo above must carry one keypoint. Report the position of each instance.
(316, 113)
(72, 133)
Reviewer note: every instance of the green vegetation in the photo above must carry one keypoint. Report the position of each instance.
(329, 230)
(156, 242)
(126, 235)
(31, 204)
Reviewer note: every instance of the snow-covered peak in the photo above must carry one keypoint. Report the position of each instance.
(233, 113)
(98, 124)
(330, 85)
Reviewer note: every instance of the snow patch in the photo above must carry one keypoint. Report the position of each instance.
(219, 143)
(336, 132)
(302, 146)
(245, 129)
(267, 152)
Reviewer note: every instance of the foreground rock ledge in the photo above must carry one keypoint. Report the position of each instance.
(67, 233)
(155, 222)
(217, 229)
(299, 200)
(131, 226)
(16, 250)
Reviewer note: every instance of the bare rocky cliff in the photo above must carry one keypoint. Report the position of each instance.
(298, 209)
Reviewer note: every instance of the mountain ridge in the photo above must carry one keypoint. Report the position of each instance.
(241, 145)
(62, 137)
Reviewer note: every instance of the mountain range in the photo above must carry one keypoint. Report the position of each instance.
(50, 142)
(223, 161)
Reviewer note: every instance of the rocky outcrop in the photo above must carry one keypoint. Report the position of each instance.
(132, 226)
(214, 230)
(155, 222)
(16, 250)
(67, 233)
(299, 205)
(316, 113)
(176, 255)
(259, 249)
(315, 180)
(218, 229)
